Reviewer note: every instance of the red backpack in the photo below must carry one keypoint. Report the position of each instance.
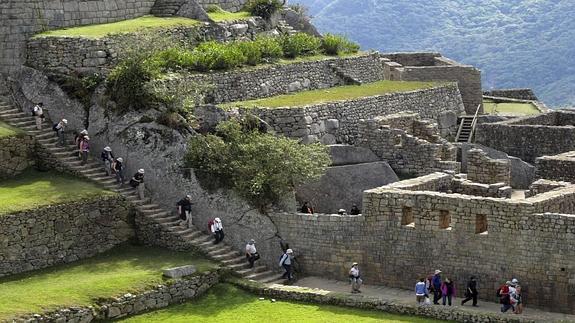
(210, 223)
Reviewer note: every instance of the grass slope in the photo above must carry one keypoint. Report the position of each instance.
(33, 189)
(7, 131)
(227, 303)
(491, 107)
(223, 15)
(333, 94)
(120, 27)
(119, 271)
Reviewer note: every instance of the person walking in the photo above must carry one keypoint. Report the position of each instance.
(471, 292)
(516, 295)
(108, 159)
(355, 278)
(78, 140)
(137, 182)
(251, 253)
(38, 113)
(185, 211)
(217, 230)
(448, 291)
(286, 261)
(85, 149)
(118, 168)
(505, 297)
(436, 285)
(60, 127)
(420, 292)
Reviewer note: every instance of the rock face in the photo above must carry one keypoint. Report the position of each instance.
(16, 154)
(349, 155)
(343, 186)
(179, 272)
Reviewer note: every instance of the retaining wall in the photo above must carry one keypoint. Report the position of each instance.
(63, 233)
(228, 5)
(558, 167)
(482, 169)
(519, 94)
(16, 154)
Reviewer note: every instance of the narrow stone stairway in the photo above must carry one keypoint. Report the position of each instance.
(166, 8)
(94, 171)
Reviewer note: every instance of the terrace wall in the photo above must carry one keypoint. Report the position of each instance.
(520, 94)
(229, 5)
(482, 169)
(558, 167)
(50, 235)
(517, 243)
(16, 154)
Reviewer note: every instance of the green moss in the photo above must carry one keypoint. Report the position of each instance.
(120, 27)
(333, 94)
(491, 107)
(222, 15)
(33, 189)
(8, 131)
(125, 269)
(227, 303)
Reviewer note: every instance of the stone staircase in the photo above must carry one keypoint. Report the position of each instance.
(285, 28)
(94, 171)
(166, 8)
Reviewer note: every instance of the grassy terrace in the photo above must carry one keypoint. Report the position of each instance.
(8, 131)
(491, 107)
(339, 93)
(119, 271)
(33, 189)
(223, 15)
(227, 303)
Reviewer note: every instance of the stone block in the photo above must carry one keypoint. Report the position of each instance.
(179, 272)
(348, 155)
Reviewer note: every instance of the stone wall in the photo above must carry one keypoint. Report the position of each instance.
(51, 235)
(229, 5)
(558, 167)
(520, 94)
(161, 296)
(16, 154)
(338, 122)
(391, 241)
(543, 186)
(530, 137)
(482, 169)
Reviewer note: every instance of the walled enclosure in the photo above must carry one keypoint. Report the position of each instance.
(434, 67)
(531, 137)
(51, 235)
(558, 167)
(409, 224)
(16, 154)
(482, 169)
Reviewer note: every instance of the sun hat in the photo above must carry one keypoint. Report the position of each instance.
(141, 171)
(354, 264)
(120, 159)
(65, 121)
(252, 241)
(289, 251)
(107, 148)
(437, 271)
(84, 132)
(86, 137)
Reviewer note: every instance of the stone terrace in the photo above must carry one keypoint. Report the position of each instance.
(558, 167)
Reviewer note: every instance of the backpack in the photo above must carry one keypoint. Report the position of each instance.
(55, 127)
(210, 223)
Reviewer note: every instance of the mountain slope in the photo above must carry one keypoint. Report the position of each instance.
(516, 43)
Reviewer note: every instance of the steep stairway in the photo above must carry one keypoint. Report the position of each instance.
(166, 8)
(94, 171)
(465, 129)
(285, 28)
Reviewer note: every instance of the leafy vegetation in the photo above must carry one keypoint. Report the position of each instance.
(33, 189)
(227, 303)
(337, 44)
(522, 43)
(7, 131)
(117, 272)
(491, 107)
(263, 8)
(218, 14)
(347, 92)
(259, 166)
(120, 27)
(300, 44)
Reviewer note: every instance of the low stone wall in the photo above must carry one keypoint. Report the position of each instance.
(16, 154)
(558, 167)
(543, 186)
(482, 169)
(51, 235)
(519, 94)
(173, 292)
(339, 122)
(76, 54)
(228, 5)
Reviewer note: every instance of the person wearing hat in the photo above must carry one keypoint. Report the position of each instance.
(59, 128)
(137, 182)
(108, 159)
(251, 253)
(354, 210)
(516, 296)
(38, 113)
(286, 261)
(341, 212)
(118, 168)
(471, 291)
(85, 149)
(436, 285)
(355, 278)
(185, 211)
(217, 230)
(505, 297)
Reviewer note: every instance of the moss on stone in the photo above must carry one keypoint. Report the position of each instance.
(8, 131)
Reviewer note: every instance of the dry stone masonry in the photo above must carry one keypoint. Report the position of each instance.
(558, 167)
(482, 169)
(16, 155)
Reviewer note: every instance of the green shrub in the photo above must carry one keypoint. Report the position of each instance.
(260, 167)
(217, 56)
(251, 52)
(270, 48)
(300, 44)
(175, 59)
(263, 8)
(214, 8)
(336, 44)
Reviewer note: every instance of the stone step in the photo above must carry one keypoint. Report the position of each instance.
(160, 215)
(11, 112)
(202, 239)
(225, 253)
(17, 118)
(272, 279)
(248, 271)
(260, 275)
(234, 261)
(148, 207)
(243, 264)
(217, 248)
(22, 123)
(193, 235)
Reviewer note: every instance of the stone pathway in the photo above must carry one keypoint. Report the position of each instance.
(169, 221)
(400, 296)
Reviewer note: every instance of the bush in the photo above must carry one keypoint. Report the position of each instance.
(263, 8)
(270, 48)
(336, 44)
(175, 59)
(300, 44)
(217, 56)
(260, 167)
(251, 52)
(214, 8)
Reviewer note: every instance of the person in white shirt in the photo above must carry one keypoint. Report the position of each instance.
(286, 262)
(38, 113)
(355, 278)
(218, 230)
(60, 129)
(252, 253)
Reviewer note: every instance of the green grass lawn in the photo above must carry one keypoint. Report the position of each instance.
(223, 15)
(122, 270)
(227, 303)
(7, 131)
(333, 94)
(125, 26)
(33, 189)
(490, 107)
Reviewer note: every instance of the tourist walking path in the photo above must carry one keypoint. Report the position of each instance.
(324, 286)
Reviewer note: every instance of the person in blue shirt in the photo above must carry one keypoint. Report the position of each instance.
(436, 284)
(420, 291)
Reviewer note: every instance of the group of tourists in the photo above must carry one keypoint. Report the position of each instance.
(308, 209)
(509, 295)
(443, 290)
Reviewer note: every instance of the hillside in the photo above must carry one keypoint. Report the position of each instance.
(516, 43)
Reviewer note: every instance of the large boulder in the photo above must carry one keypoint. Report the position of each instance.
(349, 155)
